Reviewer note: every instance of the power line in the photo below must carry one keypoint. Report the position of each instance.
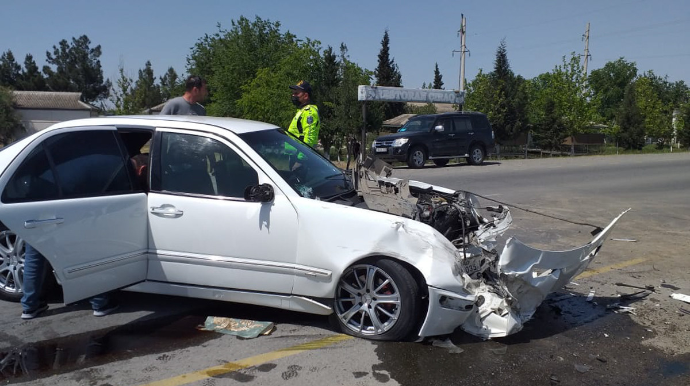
(549, 21)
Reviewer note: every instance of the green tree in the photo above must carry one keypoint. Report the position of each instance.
(267, 97)
(479, 95)
(387, 74)
(631, 121)
(507, 99)
(656, 121)
(232, 59)
(683, 135)
(31, 78)
(10, 70)
(171, 85)
(438, 79)
(326, 85)
(550, 130)
(146, 92)
(77, 67)
(566, 87)
(122, 95)
(10, 122)
(347, 119)
(608, 86)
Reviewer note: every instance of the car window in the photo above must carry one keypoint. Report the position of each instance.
(462, 124)
(33, 180)
(200, 165)
(480, 122)
(446, 123)
(86, 163)
(418, 124)
(305, 170)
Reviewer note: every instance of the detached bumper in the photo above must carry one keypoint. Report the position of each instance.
(447, 311)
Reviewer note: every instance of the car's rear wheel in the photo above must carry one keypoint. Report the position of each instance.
(416, 157)
(476, 155)
(378, 300)
(11, 266)
(441, 162)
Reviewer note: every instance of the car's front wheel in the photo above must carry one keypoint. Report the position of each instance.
(416, 157)
(11, 266)
(378, 300)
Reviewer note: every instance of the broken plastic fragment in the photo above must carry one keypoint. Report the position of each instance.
(239, 327)
(590, 296)
(681, 297)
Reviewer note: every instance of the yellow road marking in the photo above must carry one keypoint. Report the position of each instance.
(624, 264)
(317, 344)
(249, 362)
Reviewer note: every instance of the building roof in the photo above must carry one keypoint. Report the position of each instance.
(50, 100)
(398, 121)
(440, 107)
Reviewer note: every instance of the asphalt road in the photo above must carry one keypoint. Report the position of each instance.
(570, 341)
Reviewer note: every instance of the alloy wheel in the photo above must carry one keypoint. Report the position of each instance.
(12, 264)
(367, 300)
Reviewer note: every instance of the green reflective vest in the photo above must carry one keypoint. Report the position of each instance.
(306, 125)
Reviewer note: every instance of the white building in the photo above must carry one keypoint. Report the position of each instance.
(40, 109)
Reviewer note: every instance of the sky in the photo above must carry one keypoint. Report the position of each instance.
(538, 33)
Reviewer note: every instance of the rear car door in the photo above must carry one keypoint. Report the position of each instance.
(70, 194)
(463, 135)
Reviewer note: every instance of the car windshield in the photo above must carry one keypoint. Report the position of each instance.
(305, 170)
(418, 124)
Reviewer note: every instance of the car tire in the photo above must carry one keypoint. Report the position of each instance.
(11, 266)
(476, 155)
(416, 157)
(441, 162)
(377, 300)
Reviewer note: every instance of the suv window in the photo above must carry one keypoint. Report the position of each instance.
(200, 165)
(446, 123)
(86, 163)
(479, 122)
(462, 124)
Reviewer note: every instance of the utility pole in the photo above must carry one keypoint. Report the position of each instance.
(463, 48)
(587, 55)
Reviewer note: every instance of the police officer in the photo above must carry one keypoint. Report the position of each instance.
(306, 123)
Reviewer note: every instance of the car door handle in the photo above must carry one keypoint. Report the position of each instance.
(471, 133)
(166, 211)
(451, 135)
(30, 224)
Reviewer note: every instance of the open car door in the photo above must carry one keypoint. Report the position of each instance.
(71, 194)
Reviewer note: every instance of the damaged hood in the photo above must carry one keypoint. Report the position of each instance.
(505, 287)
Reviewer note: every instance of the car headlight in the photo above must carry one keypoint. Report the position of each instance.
(399, 142)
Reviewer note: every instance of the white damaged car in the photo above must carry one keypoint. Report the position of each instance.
(235, 210)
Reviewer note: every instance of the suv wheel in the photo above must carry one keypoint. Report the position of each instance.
(416, 157)
(476, 155)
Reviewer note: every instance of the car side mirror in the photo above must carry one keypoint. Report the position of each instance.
(439, 128)
(259, 193)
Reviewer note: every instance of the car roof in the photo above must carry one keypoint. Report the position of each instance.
(235, 125)
(449, 114)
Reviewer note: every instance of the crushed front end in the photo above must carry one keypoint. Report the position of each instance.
(498, 291)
